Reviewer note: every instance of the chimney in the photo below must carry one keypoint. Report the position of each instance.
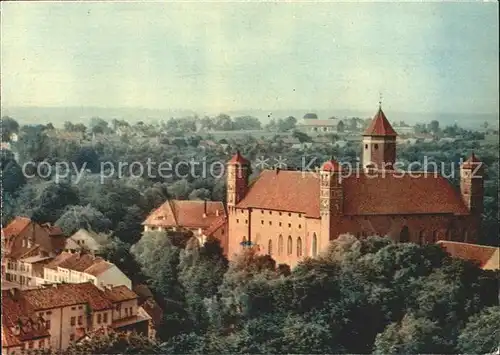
(205, 209)
(217, 213)
(277, 171)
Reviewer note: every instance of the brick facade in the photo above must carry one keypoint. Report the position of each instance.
(294, 214)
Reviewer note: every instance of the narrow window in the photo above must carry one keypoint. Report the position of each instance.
(314, 245)
(289, 247)
(270, 247)
(299, 247)
(280, 245)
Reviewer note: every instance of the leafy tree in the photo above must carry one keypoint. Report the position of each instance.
(11, 173)
(87, 158)
(158, 254)
(412, 336)
(481, 334)
(434, 126)
(87, 217)
(246, 123)
(200, 194)
(130, 227)
(47, 201)
(98, 125)
(115, 343)
(119, 254)
(201, 271)
(302, 137)
(8, 125)
(340, 127)
(180, 189)
(286, 124)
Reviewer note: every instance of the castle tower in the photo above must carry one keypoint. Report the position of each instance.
(331, 197)
(472, 184)
(238, 172)
(379, 143)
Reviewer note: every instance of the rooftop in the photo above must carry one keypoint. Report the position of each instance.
(364, 194)
(380, 126)
(186, 213)
(487, 257)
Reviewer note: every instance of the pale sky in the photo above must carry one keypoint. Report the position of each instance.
(431, 57)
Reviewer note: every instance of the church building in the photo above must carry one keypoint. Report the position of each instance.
(294, 214)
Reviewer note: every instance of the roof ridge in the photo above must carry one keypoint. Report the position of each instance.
(173, 210)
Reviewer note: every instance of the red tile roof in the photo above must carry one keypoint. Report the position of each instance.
(98, 267)
(47, 237)
(81, 262)
(19, 307)
(119, 294)
(220, 222)
(63, 295)
(380, 126)
(17, 311)
(185, 213)
(16, 226)
(297, 191)
(486, 257)
(238, 159)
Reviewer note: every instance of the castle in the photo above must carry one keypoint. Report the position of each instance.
(293, 214)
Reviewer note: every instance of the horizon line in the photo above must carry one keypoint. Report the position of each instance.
(195, 111)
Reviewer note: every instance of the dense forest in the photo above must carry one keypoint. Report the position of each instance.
(360, 296)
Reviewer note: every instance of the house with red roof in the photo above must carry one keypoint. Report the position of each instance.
(294, 214)
(83, 267)
(24, 238)
(203, 218)
(58, 315)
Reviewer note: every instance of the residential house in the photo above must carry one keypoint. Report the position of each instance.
(24, 238)
(58, 315)
(194, 215)
(311, 124)
(83, 240)
(82, 267)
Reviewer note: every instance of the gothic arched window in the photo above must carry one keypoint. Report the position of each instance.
(314, 249)
(289, 246)
(421, 238)
(280, 245)
(404, 237)
(434, 236)
(270, 247)
(299, 247)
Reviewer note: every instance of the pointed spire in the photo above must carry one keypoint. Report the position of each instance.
(380, 126)
(472, 161)
(238, 159)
